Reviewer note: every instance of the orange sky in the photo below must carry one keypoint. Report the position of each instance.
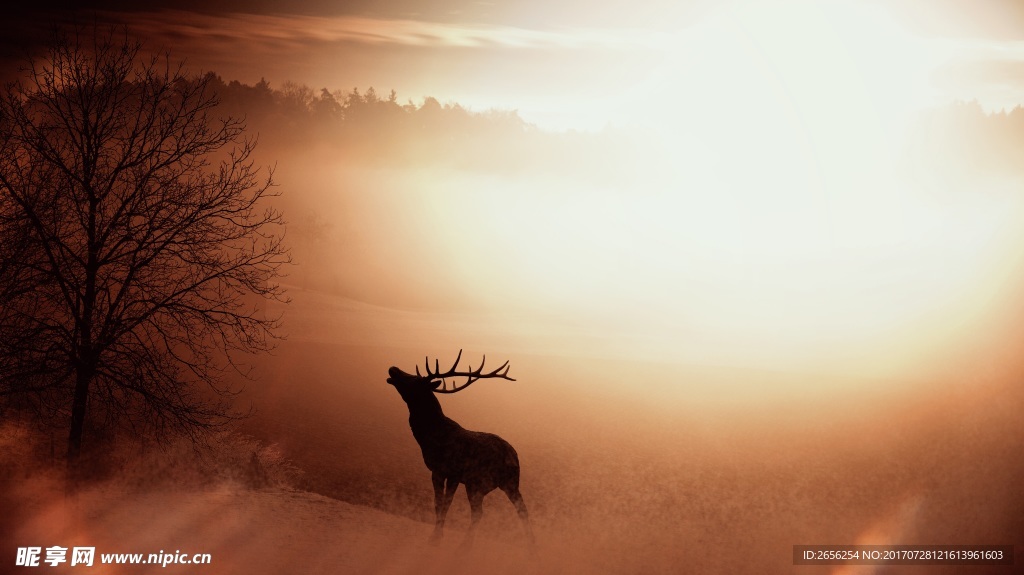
(780, 230)
(573, 64)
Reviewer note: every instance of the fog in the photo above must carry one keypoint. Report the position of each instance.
(651, 439)
(644, 448)
(712, 365)
(637, 466)
(772, 297)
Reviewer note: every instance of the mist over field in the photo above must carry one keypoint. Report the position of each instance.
(617, 479)
(772, 308)
(642, 448)
(652, 438)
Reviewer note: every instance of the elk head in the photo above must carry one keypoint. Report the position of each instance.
(410, 385)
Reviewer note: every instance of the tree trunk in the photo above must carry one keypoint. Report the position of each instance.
(78, 405)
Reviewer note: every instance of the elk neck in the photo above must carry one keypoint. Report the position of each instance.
(423, 407)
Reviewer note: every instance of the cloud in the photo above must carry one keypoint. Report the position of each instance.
(991, 19)
(298, 29)
(546, 73)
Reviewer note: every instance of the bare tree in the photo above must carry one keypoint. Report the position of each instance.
(145, 235)
(20, 265)
(482, 461)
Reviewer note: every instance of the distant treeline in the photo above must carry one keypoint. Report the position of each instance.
(375, 128)
(368, 127)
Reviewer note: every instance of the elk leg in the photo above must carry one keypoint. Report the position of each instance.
(476, 508)
(442, 500)
(517, 499)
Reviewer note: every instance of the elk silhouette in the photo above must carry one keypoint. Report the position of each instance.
(454, 455)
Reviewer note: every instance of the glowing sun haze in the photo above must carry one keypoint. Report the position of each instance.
(763, 217)
(768, 215)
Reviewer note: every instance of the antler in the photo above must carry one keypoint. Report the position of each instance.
(471, 376)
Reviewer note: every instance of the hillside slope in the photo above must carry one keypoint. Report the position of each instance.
(252, 532)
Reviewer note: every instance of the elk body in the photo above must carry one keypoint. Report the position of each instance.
(482, 462)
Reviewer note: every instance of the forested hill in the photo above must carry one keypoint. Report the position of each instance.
(368, 127)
